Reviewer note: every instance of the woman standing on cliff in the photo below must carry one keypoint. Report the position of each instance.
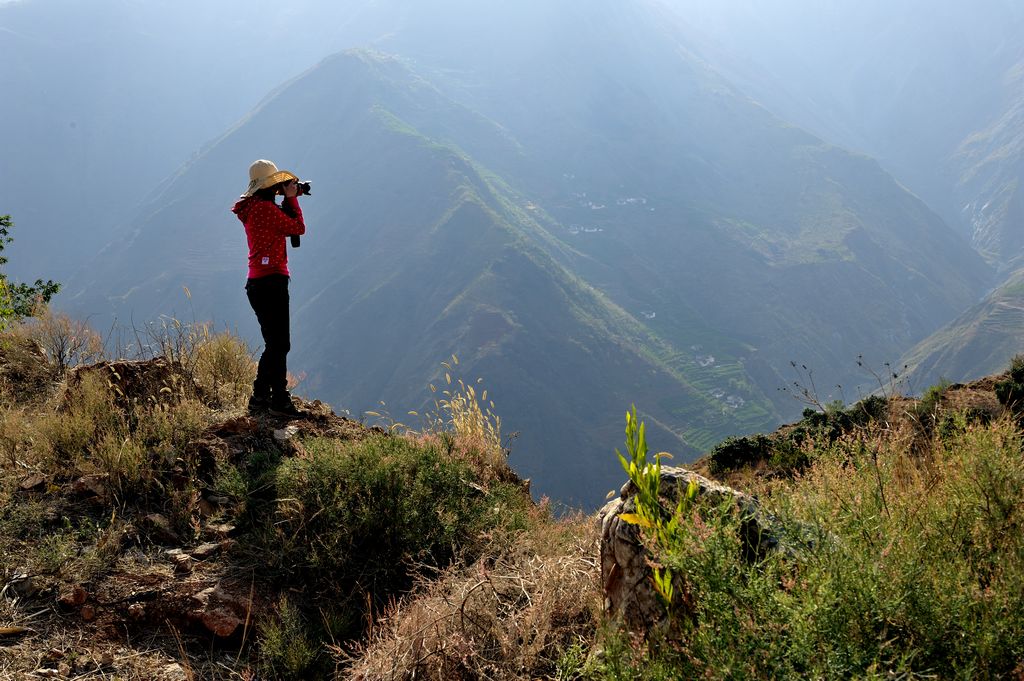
(267, 225)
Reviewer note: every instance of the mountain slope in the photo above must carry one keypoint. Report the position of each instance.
(989, 166)
(931, 89)
(412, 254)
(981, 341)
(589, 217)
(104, 99)
(742, 237)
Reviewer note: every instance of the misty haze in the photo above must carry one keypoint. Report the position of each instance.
(732, 214)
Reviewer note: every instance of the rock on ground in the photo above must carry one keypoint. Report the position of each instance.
(629, 592)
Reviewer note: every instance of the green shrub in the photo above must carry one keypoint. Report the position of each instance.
(286, 648)
(788, 457)
(785, 452)
(926, 411)
(366, 512)
(918, 571)
(358, 523)
(1010, 392)
(737, 452)
(835, 421)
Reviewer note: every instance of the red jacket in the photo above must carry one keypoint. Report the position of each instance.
(266, 227)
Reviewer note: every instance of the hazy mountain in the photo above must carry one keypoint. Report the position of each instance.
(737, 231)
(979, 342)
(934, 90)
(929, 88)
(104, 99)
(989, 167)
(413, 254)
(588, 218)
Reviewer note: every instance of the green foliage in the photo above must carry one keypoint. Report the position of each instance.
(1010, 391)
(18, 301)
(572, 664)
(927, 409)
(836, 421)
(917, 570)
(645, 476)
(366, 512)
(737, 452)
(653, 519)
(357, 523)
(785, 452)
(286, 648)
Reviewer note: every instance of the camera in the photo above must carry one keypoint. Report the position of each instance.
(302, 186)
(304, 190)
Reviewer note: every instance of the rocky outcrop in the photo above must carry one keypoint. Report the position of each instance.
(629, 592)
(221, 611)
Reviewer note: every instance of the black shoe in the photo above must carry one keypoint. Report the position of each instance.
(259, 404)
(282, 405)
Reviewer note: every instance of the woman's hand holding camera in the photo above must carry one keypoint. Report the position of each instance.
(290, 189)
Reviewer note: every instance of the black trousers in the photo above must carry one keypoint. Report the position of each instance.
(268, 297)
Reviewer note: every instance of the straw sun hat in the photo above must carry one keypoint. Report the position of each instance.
(263, 174)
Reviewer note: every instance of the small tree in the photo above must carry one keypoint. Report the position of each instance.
(18, 301)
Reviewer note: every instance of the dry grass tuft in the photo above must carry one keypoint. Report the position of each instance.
(221, 363)
(465, 412)
(510, 617)
(26, 375)
(66, 342)
(225, 369)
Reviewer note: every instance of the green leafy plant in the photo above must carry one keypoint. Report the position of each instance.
(659, 525)
(736, 452)
(786, 452)
(286, 651)
(18, 301)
